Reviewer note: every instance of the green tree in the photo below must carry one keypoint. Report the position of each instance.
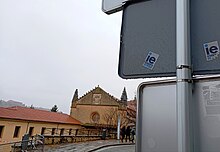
(32, 106)
(54, 108)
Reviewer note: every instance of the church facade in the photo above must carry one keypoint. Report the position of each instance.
(97, 108)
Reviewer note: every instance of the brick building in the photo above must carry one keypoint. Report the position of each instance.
(99, 108)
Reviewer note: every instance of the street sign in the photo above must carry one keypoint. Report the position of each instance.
(205, 35)
(157, 117)
(148, 38)
(112, 6)
(148, 27)
(206, 113)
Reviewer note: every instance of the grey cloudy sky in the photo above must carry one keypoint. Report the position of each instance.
(49, 48)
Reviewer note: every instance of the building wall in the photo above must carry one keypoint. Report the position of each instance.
(96, 101)
(10, 124)
(84, 113)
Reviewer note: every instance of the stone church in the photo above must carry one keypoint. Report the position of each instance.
(98, 108)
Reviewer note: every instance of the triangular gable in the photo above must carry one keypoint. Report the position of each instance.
(98, 96)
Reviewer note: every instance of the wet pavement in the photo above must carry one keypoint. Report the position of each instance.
(90, 146)
(121, 148)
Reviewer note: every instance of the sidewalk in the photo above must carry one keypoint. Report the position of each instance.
(89, 146)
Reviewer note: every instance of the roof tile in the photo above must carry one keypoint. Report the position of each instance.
(23, 113)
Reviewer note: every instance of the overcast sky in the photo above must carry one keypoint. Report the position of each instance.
(49, 48)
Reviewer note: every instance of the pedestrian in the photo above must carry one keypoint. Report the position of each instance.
(128, 130)
(122, 133)
(76, 133)
(132, 134)
(103, 134)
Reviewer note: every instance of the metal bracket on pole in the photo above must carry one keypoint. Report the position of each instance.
(184, 78)
(183, 66)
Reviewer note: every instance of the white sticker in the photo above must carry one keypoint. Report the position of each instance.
(211, 97)
(211, 50)
(150, 60)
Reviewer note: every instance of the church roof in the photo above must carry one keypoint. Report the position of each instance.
(99, 89)
(124, 95)
(29, 114)
(99, 97)
(75, 96)
(132, 104)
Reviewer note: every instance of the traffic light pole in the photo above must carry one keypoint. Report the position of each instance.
(184, 78)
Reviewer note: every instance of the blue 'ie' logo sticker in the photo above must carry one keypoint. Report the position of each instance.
(211, 50)
(150, 60)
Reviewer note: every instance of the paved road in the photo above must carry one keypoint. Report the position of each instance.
(83, 146)
(121, 148)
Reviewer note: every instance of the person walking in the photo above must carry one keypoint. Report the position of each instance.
(103, 134)
(128, 130)
(132, 134)
(122, 133)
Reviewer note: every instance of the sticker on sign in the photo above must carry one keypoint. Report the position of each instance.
(150, 60)
(211, 50)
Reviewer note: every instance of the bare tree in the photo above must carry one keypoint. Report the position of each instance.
(111, 117)
(131, 115)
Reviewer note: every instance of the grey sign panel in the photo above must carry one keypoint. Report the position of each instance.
(112, 6)
(148, 38)
(207, 115)
(148, 26)
(157, 117)
(156, 121)
(205, 23)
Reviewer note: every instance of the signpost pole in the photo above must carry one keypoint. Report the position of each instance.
(184, 78)
(118, 127)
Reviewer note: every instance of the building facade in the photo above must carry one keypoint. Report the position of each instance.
(17, 121)
(95, 109)
(98, 108)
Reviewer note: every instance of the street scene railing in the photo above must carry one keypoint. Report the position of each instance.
(60, 135)
(79, 135)
(36, 143)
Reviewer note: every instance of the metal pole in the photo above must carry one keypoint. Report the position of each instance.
(184, 78)
(118, 127)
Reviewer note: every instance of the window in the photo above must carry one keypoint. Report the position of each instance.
(43, 130)
(31, 130)
(70, 131)
(53, 131)
(16, 132)
(95, 117)
(61, 131)
(1, 131)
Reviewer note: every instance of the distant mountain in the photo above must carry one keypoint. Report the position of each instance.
(11, 103)
(40, 108)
